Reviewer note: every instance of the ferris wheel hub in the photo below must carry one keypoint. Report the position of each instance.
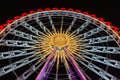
(60, 40)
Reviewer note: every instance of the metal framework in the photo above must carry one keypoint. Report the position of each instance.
(49, 40)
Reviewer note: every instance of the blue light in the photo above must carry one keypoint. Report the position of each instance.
(63, 13)
(78, 15)
(70, 13)
(39, 14)
(55, 12)
(47, 13)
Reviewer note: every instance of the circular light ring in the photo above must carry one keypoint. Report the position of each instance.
(92, 18)
(98, 22)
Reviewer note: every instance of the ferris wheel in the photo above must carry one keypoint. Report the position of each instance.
(59, 44)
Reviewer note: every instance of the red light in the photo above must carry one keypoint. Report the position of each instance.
(118, 32)
(78, 11)
(93, 15)
(16, 17)
(31, 12)
(39, 10)
(115, 28)
(9, 21)
(24, 14)
(108, 23)
(101, 19)
(70, 9)
(47, 9)
(1, 27)
(55, 8)
(62, 8)
(86, 13)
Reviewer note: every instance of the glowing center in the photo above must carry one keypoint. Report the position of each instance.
(60, 40)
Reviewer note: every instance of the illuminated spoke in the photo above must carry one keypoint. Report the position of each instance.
(51, 22)
(13, 66)
(15, 43)
(91, 32)
(30, 71)
(70, 73)
(83, 26)
(43, 70)
(16, 53)
(42, 26)
(105, 75)
(49, 68)
(102, 49)
(31, 28)
(23, 35)
(81, 75)
(71, 25)
(98, 40)
(103, 60)
(62, 21)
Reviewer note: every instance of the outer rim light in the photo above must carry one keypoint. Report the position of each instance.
(70, 9)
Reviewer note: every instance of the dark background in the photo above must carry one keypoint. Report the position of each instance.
(108, 9)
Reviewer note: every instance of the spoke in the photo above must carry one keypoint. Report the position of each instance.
(23, 35)
(31, 28)
(98, 40)
(51, 22)
(62, 21)
(41, 24)
(70, 73)
(91, 32)
(30, 71)
(11, 67)
(105, 75)
(16, 43)
(16, 53)
(83, 26)
(71, 25)
(43, 70)
(81, 75)
(103, 60)
(102, 49)
(49, 68)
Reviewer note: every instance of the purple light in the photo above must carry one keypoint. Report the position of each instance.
(42, 72)
(82, 77)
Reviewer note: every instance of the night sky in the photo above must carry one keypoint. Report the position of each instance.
(107, 9)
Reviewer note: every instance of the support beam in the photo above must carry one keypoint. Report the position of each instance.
(41, 75)
(50, 66)
(82, 77)
(70, 73)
